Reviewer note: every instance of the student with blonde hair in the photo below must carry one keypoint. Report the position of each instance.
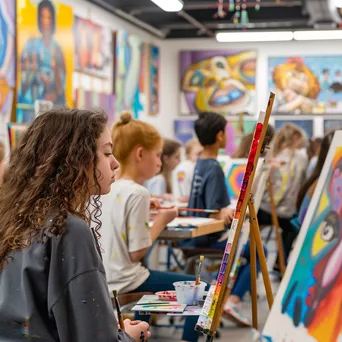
(288, 164)
(127, 235)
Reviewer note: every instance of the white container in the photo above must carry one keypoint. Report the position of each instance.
(189, 293)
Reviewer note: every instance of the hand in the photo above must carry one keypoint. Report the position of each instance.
(154, 203)
(167, 215)
(227, 215)
(135, 328)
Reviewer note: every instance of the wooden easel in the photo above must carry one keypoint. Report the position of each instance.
(223, 288)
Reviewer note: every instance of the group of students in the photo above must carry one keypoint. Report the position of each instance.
(58, 268)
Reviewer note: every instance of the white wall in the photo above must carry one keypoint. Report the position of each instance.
(170, 71)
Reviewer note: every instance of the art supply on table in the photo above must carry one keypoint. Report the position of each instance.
(167, 296)
(118, 310)
(188, 292)
(160, 308)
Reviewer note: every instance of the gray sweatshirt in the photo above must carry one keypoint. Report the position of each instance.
(57, 291)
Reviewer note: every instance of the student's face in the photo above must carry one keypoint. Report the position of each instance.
(150, 161)
(107, 164)
(172, 161)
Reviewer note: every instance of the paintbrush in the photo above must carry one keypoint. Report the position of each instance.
(121, 322)
(207, 211)
(198, 276)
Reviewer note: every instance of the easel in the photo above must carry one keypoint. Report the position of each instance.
(209, 321)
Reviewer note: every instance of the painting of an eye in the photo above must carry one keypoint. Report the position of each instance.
(196, 79)
(220, 65)
(328, 232)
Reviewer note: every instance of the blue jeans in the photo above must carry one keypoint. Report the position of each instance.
(163, 281)
(243, 280)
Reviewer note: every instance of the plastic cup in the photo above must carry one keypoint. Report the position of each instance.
(189, 293)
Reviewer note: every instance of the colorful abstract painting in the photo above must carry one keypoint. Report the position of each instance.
(330, 125)
(184, 130)
(45, 55)
(93, 48)
(217, 81)
(154, 65)
(14, 132)
(308, 303)
(90, 100)
(7, 56)
(305, 125)
(235, 130)
(309, 85)
(129, 80)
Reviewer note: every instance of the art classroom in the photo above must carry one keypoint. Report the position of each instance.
(217, 216)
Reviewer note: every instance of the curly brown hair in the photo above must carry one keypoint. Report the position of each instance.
(48, 176)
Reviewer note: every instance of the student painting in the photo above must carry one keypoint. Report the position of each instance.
(127, 236)
(288, 165)
(52, 281)
(161, 184)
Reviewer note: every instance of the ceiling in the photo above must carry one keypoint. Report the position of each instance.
(199, 17)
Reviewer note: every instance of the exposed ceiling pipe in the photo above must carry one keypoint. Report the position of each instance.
(196, 24)
(130, 18)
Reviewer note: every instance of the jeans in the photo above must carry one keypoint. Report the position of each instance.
(163, 281)
(243, 280)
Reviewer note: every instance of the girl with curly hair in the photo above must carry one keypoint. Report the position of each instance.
(52, 280)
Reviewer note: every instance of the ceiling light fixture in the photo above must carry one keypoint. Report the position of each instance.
(169, 5)
(237, 37)
(318, 35)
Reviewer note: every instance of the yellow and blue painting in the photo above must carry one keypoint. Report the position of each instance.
(217, 81)
(309, 301)
(305, 125)
(306, 85)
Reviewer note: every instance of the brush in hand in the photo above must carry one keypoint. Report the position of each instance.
(117, 305)
(198, 275)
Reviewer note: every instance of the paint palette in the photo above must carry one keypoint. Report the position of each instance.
(167, 295)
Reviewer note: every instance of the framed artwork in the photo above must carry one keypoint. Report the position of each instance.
(332, 124)
(309, 300)
(44, 71)
(306, 85)
(93, 48)
(305, 125)
(220, 81)
(184, 130)
(129, 73)
(154, 65)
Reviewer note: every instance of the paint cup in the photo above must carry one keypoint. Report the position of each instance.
(189, 293)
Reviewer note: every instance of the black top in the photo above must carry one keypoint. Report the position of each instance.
(57, 291)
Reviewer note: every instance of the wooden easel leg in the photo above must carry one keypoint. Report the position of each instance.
(261, 254)
(253, 280)
(275, 222)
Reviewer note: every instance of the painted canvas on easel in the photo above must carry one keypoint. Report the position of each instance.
(309, 301)
(45, 55)
(7, 57)
(129, 73)
(220, 81)
(93, 48)
(311, 85)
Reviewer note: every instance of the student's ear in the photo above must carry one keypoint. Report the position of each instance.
(221, 139)
(139, 153)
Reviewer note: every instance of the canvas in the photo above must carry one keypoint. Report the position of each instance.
(43, 72)
(306, 125)
(309, 85)
(93, 48)
(154, 65)
(330, 125)
(308, 304)
(184, 130)
(129, 73)
(220, 81)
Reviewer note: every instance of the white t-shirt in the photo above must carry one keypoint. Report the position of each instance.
(156, 185)
(125, 229)
(182, 178)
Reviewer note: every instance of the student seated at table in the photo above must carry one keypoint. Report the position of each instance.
(52, 280)
(209, 192)
(126, 236)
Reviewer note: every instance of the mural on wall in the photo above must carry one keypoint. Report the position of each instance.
(305, 125)
(129, 73)
(184, 130)
(308, 303)
(217, 81)
(311, 85)
(45, 55)
(330, 125)
(7, 57)
(90, 100)
(154, 65)
(93, 48)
